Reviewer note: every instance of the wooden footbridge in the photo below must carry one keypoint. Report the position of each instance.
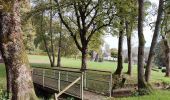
(88, 85)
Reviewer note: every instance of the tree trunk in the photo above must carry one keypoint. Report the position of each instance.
(167, 53)
(154, 41)
(59, 48)
(9, 75)
(129, 55)
(141, 80)
(13, 52)
(44, 40)
(120, 51)
(84, 58)
(129, 46)
(51, 37)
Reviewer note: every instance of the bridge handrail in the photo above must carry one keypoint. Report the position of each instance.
(58, 69)
(88, 69)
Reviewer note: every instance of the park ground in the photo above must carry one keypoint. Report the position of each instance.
(157, 76)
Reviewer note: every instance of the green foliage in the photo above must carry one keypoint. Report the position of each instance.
(114, 53)
(3, 95)
(96, 42)
(160, 54)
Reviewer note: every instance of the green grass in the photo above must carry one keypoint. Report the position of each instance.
(157, 95)
(2, 76)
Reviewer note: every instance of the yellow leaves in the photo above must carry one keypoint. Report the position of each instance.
(6, 5)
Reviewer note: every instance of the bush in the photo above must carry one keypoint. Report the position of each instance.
(163, 70)
(141, 92)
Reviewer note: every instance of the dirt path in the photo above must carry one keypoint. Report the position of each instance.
(93, 96)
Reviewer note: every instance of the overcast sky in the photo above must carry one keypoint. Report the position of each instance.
(113, 41)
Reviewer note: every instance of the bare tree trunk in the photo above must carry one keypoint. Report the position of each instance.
(13, 52)
(120, 51)
(167, 53)
(141, 79)
(154, 41)
(59, 48)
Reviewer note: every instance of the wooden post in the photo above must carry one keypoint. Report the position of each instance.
(110, 87)
(43, 76)
(81, 86)
(55, 94)
(66, 76)
(85, 80)
(59, 78)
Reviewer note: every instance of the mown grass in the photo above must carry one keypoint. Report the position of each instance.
(157, 95)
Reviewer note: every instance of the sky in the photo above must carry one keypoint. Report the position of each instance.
(148, 33)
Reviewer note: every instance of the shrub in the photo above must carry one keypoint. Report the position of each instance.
(163, 70)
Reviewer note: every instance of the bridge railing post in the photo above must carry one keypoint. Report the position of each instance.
(82, 86)
(43, 76)
(85, 79)
(110, 85)
(66, 76)
(59, 78)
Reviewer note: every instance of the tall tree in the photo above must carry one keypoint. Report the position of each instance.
(120, 48)
(51, 35)
(127, 21)
(154, 41)
(131, 24)
(13, 51)
(141, 78)
(59, 47)
(129, 36)
(85, 18)
(165, 30)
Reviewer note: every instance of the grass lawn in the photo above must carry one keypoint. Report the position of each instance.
(157, 95)
(42, 61)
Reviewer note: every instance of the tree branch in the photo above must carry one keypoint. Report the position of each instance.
(66, 25)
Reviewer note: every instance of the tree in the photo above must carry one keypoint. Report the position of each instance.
(52, 57)
(120, 48)
(114, 52)
(165, 30)
(85, 18)
(27, 27)
(44, 26)
(127, 21)
(159, 58)
(131, 24)
(59, 47)
(129, 34)
(141, 78)
(154, 41)
(13, 51)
